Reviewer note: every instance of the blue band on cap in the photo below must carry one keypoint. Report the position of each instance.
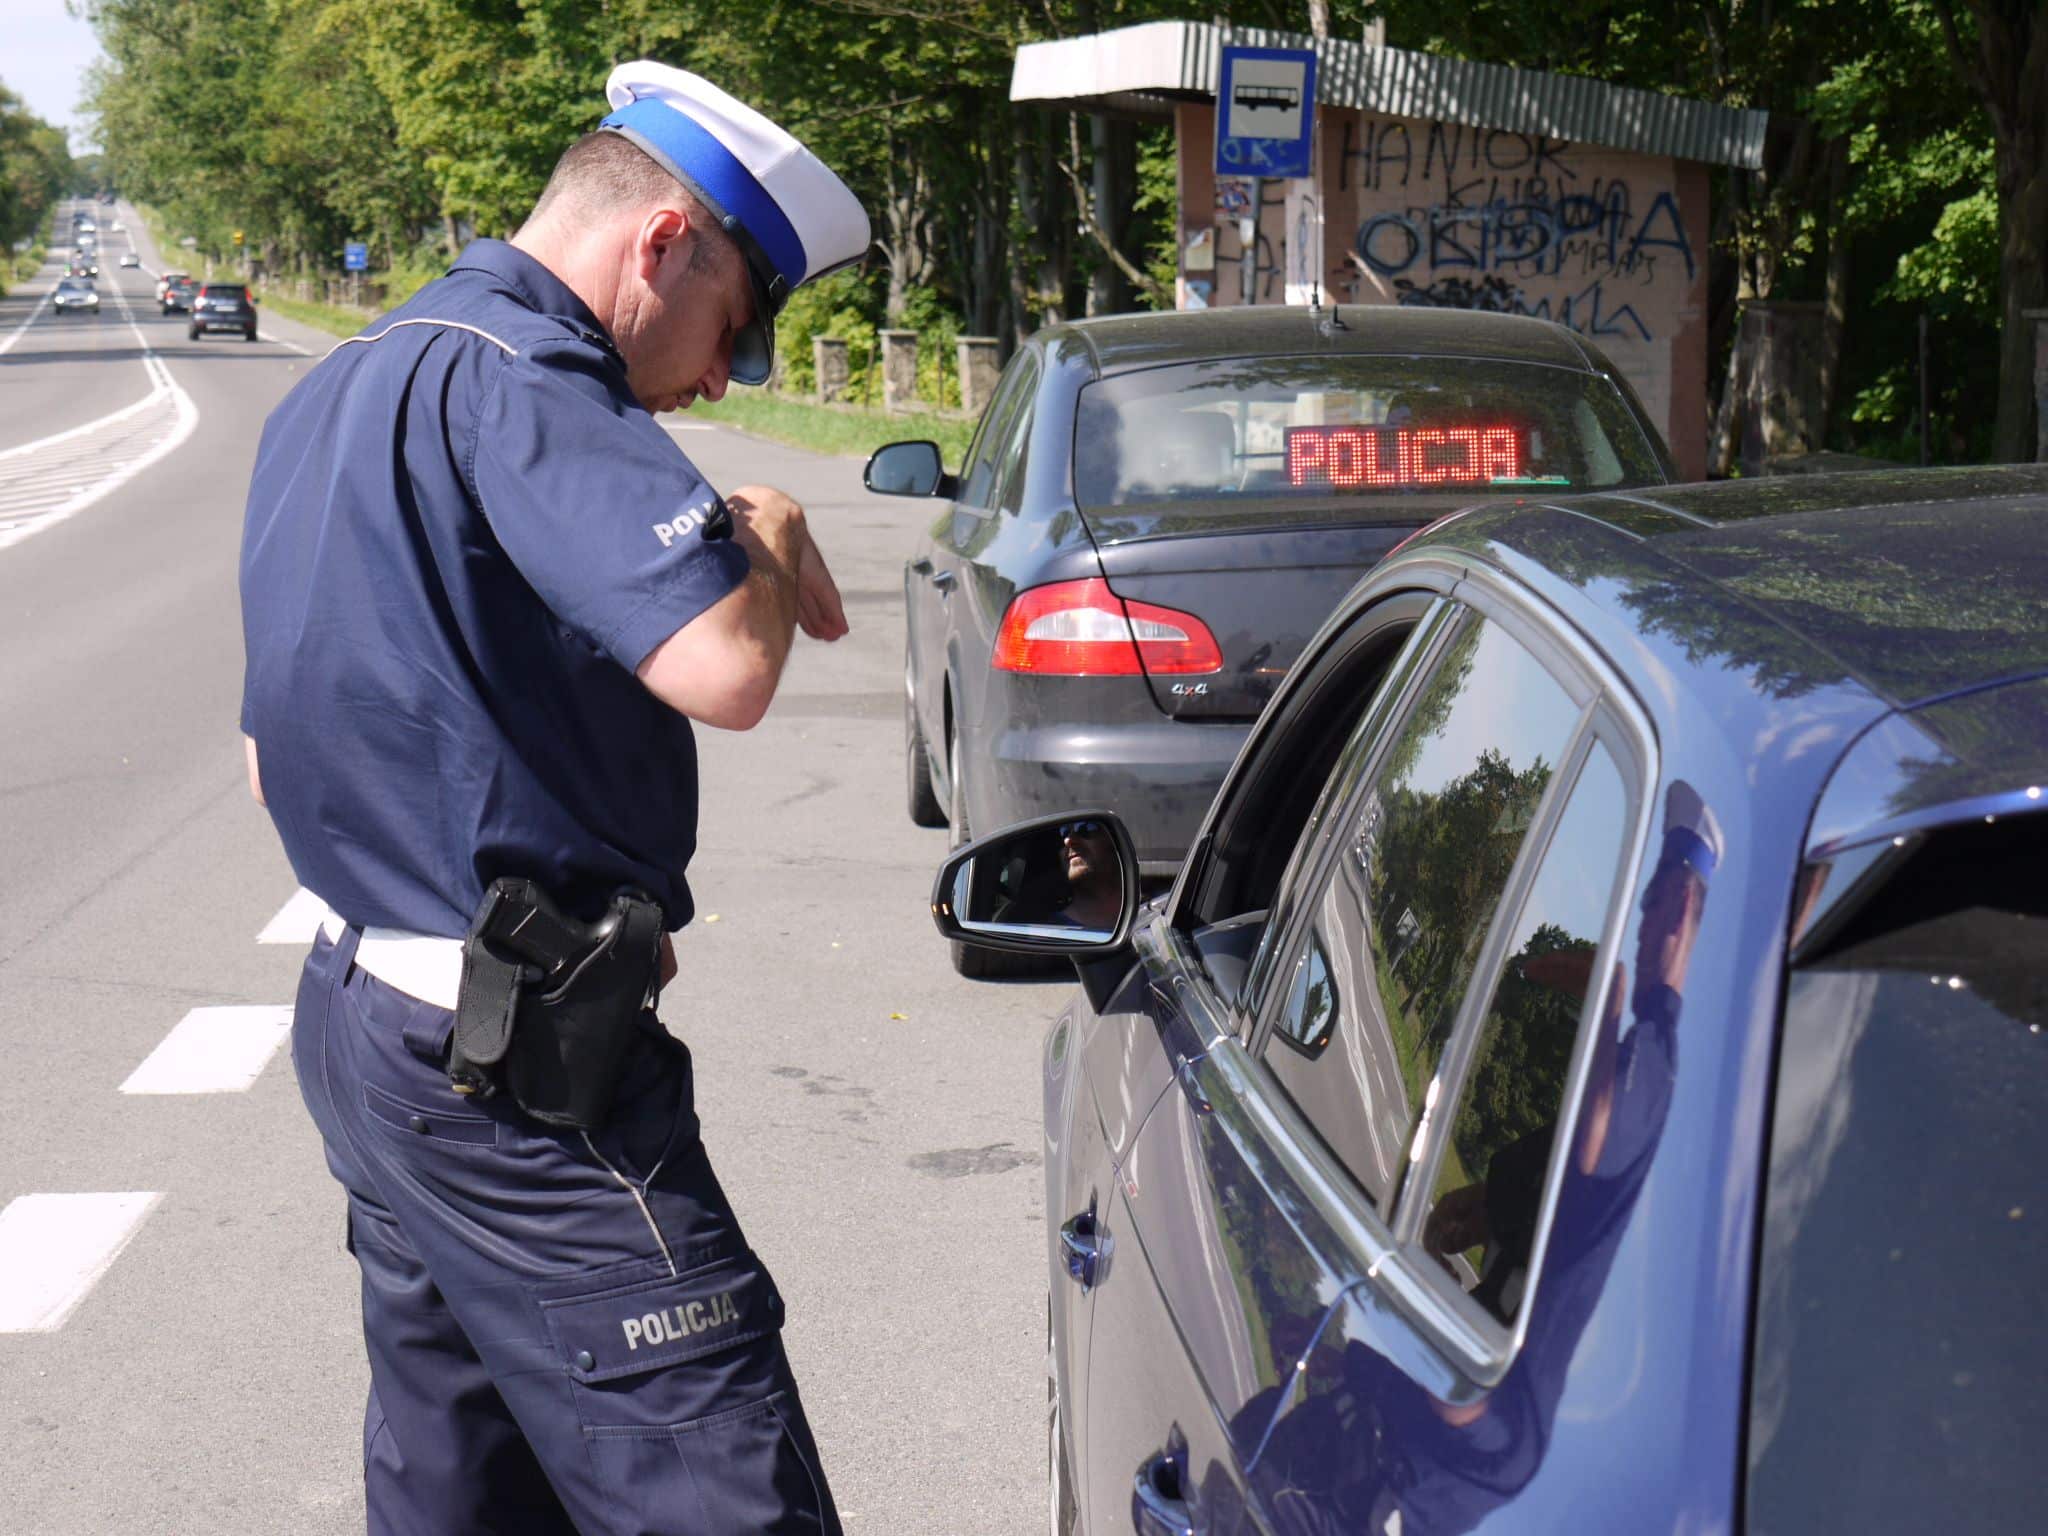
(720, 176)
(1684, 846)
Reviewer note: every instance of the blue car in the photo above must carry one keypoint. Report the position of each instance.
(1590, 1074)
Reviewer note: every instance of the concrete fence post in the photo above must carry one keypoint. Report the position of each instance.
(1783, 416)
(980, 367)
(830, 356)
(899, 369)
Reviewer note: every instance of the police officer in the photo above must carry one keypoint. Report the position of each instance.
(484, 595)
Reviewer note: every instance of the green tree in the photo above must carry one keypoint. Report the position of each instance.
(35, 170)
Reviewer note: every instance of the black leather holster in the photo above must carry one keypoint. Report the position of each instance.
(549, 1005)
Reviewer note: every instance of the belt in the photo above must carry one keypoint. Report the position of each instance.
(420, 965)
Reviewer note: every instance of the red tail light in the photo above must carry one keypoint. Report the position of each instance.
(1082, 629)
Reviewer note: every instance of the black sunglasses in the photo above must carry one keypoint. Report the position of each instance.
(1081, 829)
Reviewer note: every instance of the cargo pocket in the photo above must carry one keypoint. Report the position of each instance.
(686, 1401)
(427, 1123)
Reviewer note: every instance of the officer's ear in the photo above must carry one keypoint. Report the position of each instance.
(663, 240)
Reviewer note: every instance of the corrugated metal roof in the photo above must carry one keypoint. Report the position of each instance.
(1132, 67)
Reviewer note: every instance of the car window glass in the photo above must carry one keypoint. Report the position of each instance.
(1401, 916)
(977, 478)
(1009, 483)
(1489, 1183)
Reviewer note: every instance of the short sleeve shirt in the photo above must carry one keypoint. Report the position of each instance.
(463, 536)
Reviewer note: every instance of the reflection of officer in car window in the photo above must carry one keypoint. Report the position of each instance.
(1446, 1466)
(1500, 1212)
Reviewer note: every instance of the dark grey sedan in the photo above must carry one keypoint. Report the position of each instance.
(1159, 510)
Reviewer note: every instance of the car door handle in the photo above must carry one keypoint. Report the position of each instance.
(1157, 1508)
(944, 580)
(1085, 1248)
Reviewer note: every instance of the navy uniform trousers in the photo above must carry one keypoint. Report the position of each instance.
(567, 1333)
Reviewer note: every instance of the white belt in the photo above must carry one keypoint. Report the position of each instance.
(420, 965)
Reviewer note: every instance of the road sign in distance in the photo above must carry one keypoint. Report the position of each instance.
(1265, 112)
(355, 257)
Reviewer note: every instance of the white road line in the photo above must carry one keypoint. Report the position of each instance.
(296, 921)
(689, 426)
(54, 1248)
(33, 315)
(89, 462)
(213, 1050)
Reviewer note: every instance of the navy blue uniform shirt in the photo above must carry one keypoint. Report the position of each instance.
(462, 538)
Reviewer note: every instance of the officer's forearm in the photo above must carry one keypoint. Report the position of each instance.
(721, 668)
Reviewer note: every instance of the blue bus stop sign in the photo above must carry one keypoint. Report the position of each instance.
(355, 257)
(1265, 112)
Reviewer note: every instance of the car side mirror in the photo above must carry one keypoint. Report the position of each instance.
(1055, 885)
(907, 469)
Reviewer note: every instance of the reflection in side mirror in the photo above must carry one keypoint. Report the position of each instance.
(905, 469)
(1060, 885)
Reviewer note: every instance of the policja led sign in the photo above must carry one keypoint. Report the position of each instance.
(1265, 112)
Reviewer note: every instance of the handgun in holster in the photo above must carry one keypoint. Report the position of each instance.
(549, 1005)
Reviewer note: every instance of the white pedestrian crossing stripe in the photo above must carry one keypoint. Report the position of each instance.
(54, 1248)
(213, 1050)
(296, 921)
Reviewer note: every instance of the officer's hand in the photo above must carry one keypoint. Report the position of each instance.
(818, 607)
(768, 525)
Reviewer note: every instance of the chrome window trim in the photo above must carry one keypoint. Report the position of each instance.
(1291, 906)
(1470, 1339)
(1436, 573)
(1333, 808)
(1618, 724)
(1449, 1077)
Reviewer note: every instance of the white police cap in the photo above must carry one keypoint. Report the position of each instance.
(792, 218)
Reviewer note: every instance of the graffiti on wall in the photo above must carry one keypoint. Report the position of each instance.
(1521, 223)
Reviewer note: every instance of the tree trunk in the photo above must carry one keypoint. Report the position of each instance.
(2023, 282)
(2007, 69)
(905, 207)
(1114, 189)
(1725, 441)
(1834, 324)
(1042, 259)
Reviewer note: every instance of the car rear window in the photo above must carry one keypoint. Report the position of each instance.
(1289, 428)
(1899, 1349)
(223, 290)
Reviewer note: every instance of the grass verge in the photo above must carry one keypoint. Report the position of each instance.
(332, 318)
(851, 430)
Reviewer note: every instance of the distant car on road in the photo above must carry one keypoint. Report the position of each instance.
(223, 307)
(164, 281)
(1590, 1073)
(1158, 510)
(178, 294)
(130, 259)
(75, 295)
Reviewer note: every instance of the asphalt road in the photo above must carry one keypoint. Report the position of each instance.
(874, 1117)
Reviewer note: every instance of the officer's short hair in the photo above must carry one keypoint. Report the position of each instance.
(604, 173)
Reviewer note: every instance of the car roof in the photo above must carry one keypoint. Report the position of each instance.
(1920, 583)
(1119, 343)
